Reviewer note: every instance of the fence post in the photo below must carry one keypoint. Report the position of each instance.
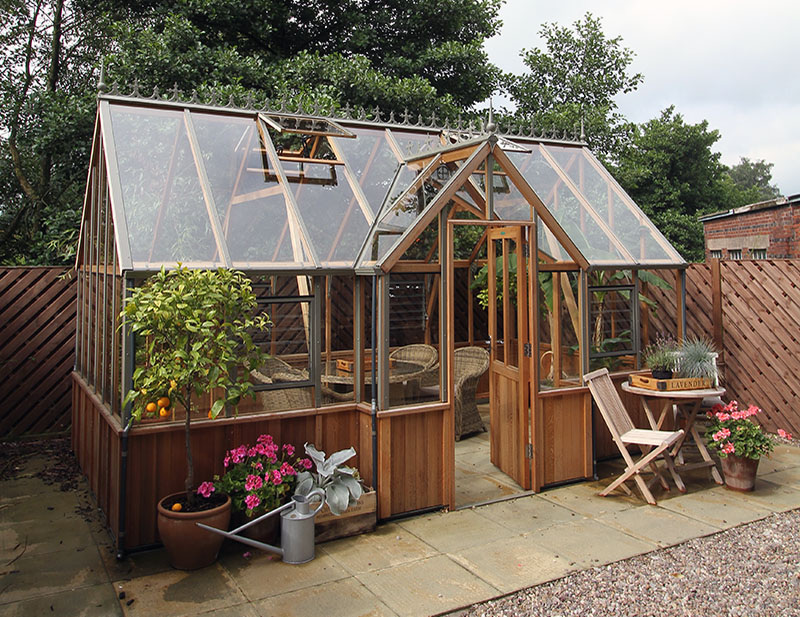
(716, 309)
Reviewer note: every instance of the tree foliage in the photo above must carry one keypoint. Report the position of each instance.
(426, 57)
(672, 173)
(752, 179)
(576, 77)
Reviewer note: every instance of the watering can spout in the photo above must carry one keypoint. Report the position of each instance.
(297, 529)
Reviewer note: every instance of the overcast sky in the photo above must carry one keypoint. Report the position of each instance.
(732, 63)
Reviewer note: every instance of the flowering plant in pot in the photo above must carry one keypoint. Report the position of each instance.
(259, 478)
(193, 330)
(740, 443)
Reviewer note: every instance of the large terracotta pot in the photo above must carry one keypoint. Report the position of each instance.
(739, 472)
(191, 547)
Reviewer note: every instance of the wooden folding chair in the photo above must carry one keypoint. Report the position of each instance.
(653, 444)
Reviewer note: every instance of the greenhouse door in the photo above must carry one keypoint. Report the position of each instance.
(510, 351)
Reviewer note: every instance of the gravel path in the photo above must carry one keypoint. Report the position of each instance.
(749, 571)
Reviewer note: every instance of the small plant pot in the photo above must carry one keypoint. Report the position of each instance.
(191, 547)
(739, 472)
(661, 374)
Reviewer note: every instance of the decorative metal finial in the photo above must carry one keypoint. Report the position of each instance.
(491, 127)
(583, 132)
(102, 87)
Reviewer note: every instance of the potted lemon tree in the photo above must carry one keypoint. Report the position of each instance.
(194, 338)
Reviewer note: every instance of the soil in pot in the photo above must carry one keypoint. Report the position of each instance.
(191, 547)
(661, 374)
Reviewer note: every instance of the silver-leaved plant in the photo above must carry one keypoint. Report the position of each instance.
(341, 484)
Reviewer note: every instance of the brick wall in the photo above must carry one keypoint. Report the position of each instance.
(776, 229)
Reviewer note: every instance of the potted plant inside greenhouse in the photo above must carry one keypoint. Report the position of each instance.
(194, 329)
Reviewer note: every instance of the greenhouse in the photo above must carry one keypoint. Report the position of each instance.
(410, 272)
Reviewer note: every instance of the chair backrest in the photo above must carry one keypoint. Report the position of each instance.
(608, 402)
(418, 353)
(470, 362)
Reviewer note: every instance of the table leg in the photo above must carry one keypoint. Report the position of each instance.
(691, 429)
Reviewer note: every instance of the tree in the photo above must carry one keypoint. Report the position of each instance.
(672, 173)
(577, 78)
(426, 57)
(436, 44)
(48, 57)
(753, 179)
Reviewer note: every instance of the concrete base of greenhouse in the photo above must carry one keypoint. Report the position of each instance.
(57, 558)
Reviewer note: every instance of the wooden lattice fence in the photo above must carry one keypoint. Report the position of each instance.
(37, 350)
(755, 306)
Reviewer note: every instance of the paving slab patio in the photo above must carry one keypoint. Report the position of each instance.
(56, 558)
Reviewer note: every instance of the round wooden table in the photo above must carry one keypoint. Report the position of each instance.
(686, 403)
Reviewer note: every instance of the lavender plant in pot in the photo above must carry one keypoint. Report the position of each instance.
(194, 329)
(660, 356)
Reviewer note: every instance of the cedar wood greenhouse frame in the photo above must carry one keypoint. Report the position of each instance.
(340, 224)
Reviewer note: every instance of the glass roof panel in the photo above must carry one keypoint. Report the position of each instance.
(250, 202)
(330, 211)
(591, 238)
(628, 223)
(166, 215)
(372, 160)
(416, 142)
(308, 125)
(404, 211)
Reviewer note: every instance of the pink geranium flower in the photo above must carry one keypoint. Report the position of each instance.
(253, 483)
(205, 489)
(252, 501)
(784, 434)
(728, 448)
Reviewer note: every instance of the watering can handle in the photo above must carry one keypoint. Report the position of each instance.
(321, 494)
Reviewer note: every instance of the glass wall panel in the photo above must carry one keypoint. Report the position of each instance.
(249, 199)
(611, 320)
(338, 335)
(373, 162)
(413, 339)
(283, 381)
(165, 212)
(559, 324)
(628, 223)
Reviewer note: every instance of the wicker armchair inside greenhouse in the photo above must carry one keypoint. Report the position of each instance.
(470, 364)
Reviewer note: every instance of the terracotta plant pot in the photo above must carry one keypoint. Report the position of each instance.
(739, 472)
(191, 547)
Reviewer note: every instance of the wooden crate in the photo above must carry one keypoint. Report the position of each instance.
(679, 383)
(360, 518)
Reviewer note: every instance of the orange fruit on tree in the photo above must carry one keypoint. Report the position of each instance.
(163, 412)
(210, 416)
(163, 402)
(177, 507)
(151, 407)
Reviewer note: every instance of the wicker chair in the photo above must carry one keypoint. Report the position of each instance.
(470, 364)
(278, 371)
(427, 358)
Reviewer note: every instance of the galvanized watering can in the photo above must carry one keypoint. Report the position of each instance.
(297, 529)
